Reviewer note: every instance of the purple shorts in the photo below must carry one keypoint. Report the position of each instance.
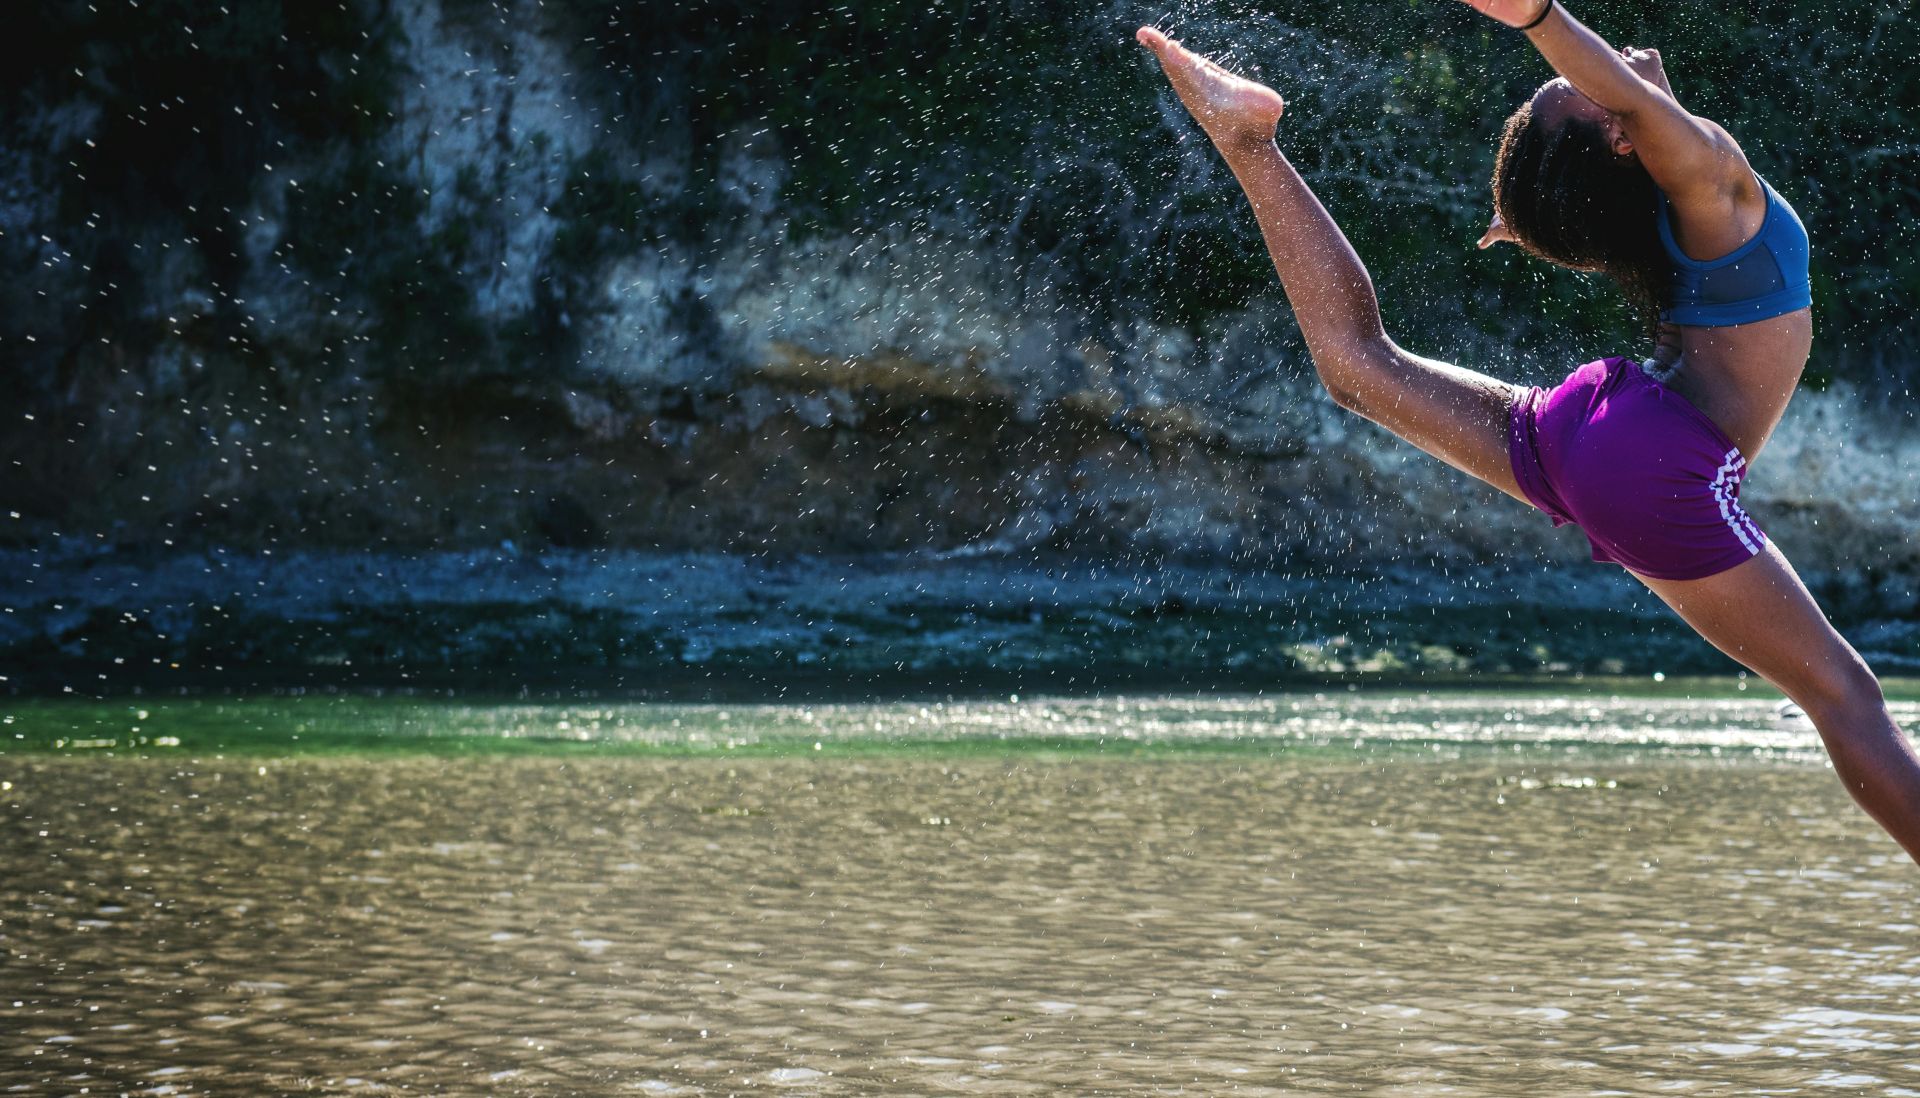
(1653, 483)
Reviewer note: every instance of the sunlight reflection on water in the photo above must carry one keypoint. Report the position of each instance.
(1325, 719)
(1644, 920)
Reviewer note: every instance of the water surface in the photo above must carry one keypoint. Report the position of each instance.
(1488, 895)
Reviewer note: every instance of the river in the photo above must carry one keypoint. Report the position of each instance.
(1407, 894)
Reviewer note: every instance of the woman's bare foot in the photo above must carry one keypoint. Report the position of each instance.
(1233, 110)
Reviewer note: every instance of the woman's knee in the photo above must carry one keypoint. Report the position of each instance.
(1343, 393)
(1350, 373)
(1838, 685)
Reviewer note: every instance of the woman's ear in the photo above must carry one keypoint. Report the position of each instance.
(1617, 139)
(1496, 232)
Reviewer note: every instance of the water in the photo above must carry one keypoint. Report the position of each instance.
(1489, 895)
(1688, 716)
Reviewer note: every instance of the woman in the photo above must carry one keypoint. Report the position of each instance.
(1602, 170)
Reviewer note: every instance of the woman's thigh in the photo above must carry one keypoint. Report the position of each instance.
(1759, 613)
(1455, 414)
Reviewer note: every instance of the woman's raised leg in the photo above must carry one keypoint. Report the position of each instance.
(1762, 615)
(1454, 414)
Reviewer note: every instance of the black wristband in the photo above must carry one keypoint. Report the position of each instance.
(1538, 19)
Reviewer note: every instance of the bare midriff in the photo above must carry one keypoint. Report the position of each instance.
(1743, 376)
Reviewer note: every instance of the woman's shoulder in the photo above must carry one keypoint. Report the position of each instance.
(1706, 225)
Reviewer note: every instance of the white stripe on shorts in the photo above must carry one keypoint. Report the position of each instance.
(1725, 484)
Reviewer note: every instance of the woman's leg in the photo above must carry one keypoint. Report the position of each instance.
(1762, 615)
(1454, 414)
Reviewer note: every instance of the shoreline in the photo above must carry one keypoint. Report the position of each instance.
(687, 627)
(1602, 720)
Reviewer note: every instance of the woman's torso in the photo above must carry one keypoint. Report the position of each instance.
(1741, 374)
(1742, 377)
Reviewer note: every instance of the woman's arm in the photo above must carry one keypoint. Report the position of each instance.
(1689, 158)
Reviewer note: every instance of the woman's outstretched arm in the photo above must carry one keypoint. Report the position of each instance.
(1685, 154)
(1456, 415)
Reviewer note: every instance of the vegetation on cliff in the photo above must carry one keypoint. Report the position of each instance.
(253, 296)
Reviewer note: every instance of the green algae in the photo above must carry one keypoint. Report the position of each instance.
(1354, 723)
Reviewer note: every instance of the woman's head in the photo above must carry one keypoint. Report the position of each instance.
(1569, 189)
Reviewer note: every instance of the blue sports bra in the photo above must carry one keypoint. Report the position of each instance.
(1764, 277)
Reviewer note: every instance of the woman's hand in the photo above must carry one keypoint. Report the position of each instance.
(1665, 360)
(1514, 13)
(1646, 65)
(1497, 232)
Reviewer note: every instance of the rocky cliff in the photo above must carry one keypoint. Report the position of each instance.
(944, 277)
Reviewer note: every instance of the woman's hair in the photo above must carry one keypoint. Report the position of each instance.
(1567, 198)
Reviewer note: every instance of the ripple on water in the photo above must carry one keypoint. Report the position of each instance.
(1086, 924)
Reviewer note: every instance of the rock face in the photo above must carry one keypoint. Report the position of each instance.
(510, 285)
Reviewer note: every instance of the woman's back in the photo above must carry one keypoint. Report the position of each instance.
(1742, 377)
(1740, 372)
(1717, 221)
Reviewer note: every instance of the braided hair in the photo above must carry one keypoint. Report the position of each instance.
(1568, 198)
